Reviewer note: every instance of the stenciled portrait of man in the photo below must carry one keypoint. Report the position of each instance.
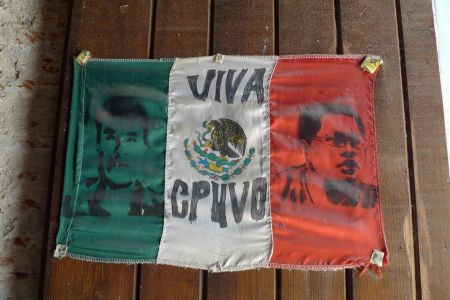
(332, 138)
(121, 125)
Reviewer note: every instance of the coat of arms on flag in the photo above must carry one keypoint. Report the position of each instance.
(219, 151)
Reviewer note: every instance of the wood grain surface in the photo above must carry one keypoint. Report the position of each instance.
(414, 184)
(182, 28)
(243, 27)
(427, 142)
(306, 27)
(370, 26)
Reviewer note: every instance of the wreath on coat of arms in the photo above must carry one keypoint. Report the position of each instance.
(219, 152)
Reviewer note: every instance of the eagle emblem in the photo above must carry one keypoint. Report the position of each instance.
(219, 151)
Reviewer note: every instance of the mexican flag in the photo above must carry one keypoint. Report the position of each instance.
(224, 163)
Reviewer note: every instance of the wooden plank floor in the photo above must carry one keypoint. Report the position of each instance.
(414, 186)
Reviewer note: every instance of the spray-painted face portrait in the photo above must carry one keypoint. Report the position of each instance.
(333, 140)
(121, 140)
(332, 136)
